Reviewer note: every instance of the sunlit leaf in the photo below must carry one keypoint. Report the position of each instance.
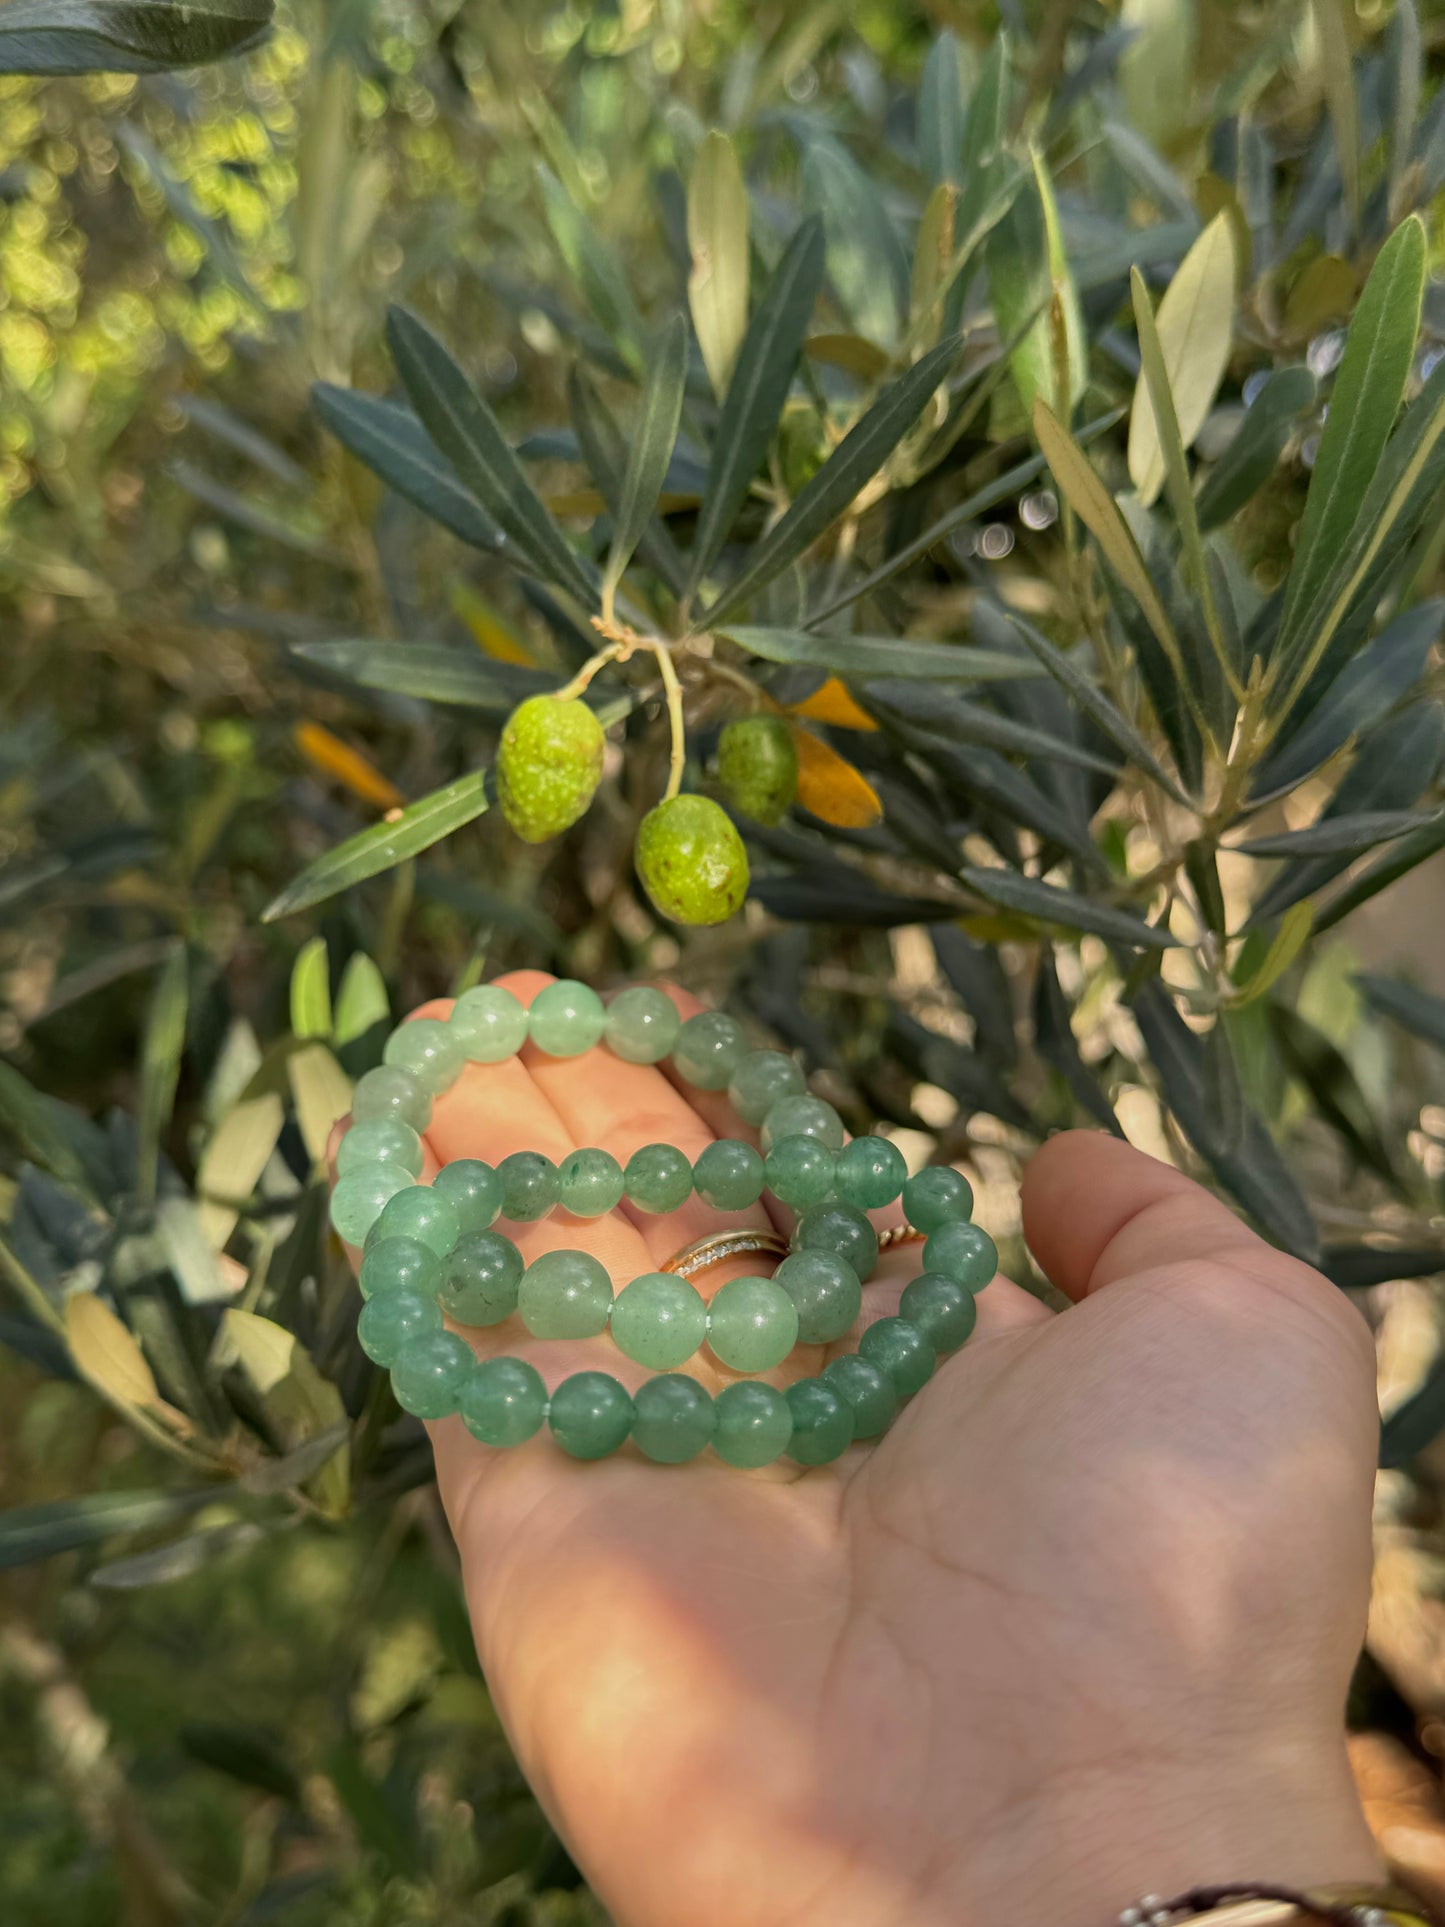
(830, 787)
(236, 1154)
(1195, 323)
(830, 702)
(107, 1356)
(361, 999)
(297, 1400)
(1034, 298)
(322, 1091)
(311, 991)
(1286, 944)
(717, 235)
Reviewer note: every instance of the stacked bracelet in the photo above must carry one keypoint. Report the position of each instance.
(430, 1251)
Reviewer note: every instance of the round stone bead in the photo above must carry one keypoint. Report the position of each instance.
(943, 1311)
(392, 1264)
(529, 1186)
(473, 1189)
(673, 1419)
(480, 1282)
(822, 1422)
(422, 1213)
(659, 1320)
(392, 1319)
(658, 1178)
(589, 1183)
(503, 1402)
(728, 1175)
(590, 1414)
(803, 1116)
(642, 1025)
(430, 1050)
(362, 1195)
(842, 1229)
(565, 1294)
(871, 1173)
(903, 1355)
(799, 1171)
(936, 1196)
(385, 1140)
(390, 1091)
(752, 1324)
(867, 1390)
(826, 1293)
(489, 1023)
(429, 1372)
(708, 1050)
(566, 1018)
(753, 1424)
(963, 1252)
(761, 1080)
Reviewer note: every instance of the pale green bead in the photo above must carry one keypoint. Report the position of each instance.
(529, 1186)
(822, 1422)
(589, 1183)
(474, 1189)
(826, 1292)
(672, 1419)
(901, 1353)
(361, 1196)
(430, 1050)
(762, 1079)
(753, 1424)
(384, 1140)
(566, 1018)
(799, 1171)
(392, 1319)
(708, 1050)
(869, 1391)
(565, 1294)
(479, 1284)
(389, 1091)
(428, 1373)
(728, 1175)
(590, 1414)
(658, 1178)
(841, 1228)
(503, 1402)
(963, 1252)
(399, 1264)
(803, 1116)
(659, 1320)
(642, 1025)
(489, 1023)
(936, 1196)
(752, 1324)
(422, 1213)
(871, 1173)
(945, 1312)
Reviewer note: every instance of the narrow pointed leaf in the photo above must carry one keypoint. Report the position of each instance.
(1252, 457)
(935, 712)
(1337, 66)
(1286, 944)
(395, 446)
(1341, 835)
(1196, 329)
(126, 36)
(361, 1000)
(1066, 908)
(1399, 859)
(1416, 1010)
(652, 445)
(385, 845)
(603, 448)
(160, 1066)
(437, 672)
(32, 1532)
(866, 262)
(596, 269)
(717, 237)
(942, 111)
(311, 991)
(858, 656)
(1055, 1042)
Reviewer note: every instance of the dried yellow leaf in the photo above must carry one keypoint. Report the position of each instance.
(830, 787)
(337, 759)
(831, 703)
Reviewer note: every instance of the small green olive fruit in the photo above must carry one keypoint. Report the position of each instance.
(757, 765)
(548, 765)
(691, 860)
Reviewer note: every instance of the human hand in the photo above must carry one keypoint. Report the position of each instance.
(1079, 1626)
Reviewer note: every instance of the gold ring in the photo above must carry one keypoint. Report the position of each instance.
(707, 1252)
(900, 1234)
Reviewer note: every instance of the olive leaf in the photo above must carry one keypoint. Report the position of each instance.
(717, 237)
(393, 443)
(126, 36)
(652, 446)
(1196, 329)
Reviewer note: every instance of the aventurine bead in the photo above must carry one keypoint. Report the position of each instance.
(428, 1373)
(963, 1252)
(393, 1264)
(503, 1402)
(802, 1116)
(673, 1419)
(385, 1140)
(708, 1050)
(392, 1319)
(473, 1189)
(389, 1091)
(728, 1175)
(753, 1424)
(489, 1023)
(430, 1050)
(902, 1354)
(799, 1171)
(589, 1183)
(822, 1422)
(752, 1324)
(943, 1311)
(937, 1195)
(422, 1213)
(870, 1173)
(362, 1195)
(658, 1178)
(566, 1018)
(642, 1025)
(590, 1414)
(825, 1291)
(480, 1282)
(840, 1228)
(565, 1294)
(761, 1079)
(659, 1320)
(529, 1186)
(867, 1390)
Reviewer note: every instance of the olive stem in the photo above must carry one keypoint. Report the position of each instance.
(673, 689)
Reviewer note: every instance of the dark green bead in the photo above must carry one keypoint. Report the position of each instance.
(589, 1183)
(658, 1178)
(753, 1424)
(708, 1050)
(963, 1252)
(826, 1291)
(822, 1422)
(428, 1373)
(802, 1116)
(479, 1285)
(642, 1025)
(659, 1320)
(362, 1195)
(503, 1402)
(566, 1018)
(390, 1091)
(392, 1264)
(752, 1324)
(392, 1318)
(565, 1294)
(423, 1213)
(529, 1186)
(474, 1189)
(871, 1173)
(901, 1353)
(945, 1312)
(937, 1195)
(673, 1419)
(430, 1050)
(590, 1414)
(728, 1175)
(840, 1228)
(760, 1080)
(384, 1140)
(869, 1392)
(799, 1171)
